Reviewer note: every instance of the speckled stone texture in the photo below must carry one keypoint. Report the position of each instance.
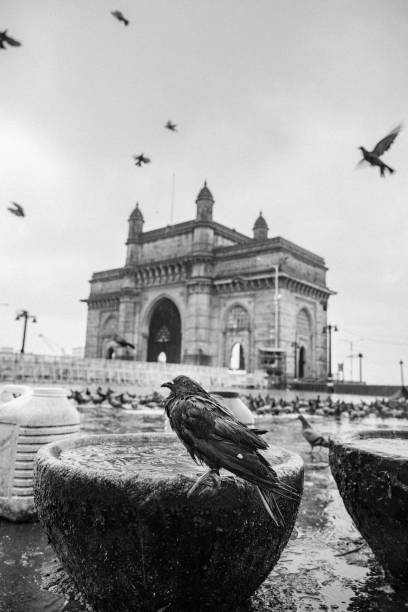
(374, 488)
(138, 543)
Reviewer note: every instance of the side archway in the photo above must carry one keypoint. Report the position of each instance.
(164, 333)
(237, 338)
(109, 329)
(305, 343)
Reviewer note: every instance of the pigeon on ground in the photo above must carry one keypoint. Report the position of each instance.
(120, 17)
(171, 126)
(213, 436)
(373, 157)
(122, 342)
(141, 159)
(311, 435)
(17, 210)
(5, 38)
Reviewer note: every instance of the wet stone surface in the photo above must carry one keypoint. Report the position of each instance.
(325, 566)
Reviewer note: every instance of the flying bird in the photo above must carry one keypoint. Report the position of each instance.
(171, 126)
(213, 436)
(5, 38)
(17, 210)
(311, 435)
(373, 157)
(120, 17)
(122, 342)
(141, 159)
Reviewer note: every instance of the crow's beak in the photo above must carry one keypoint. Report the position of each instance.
(167, 384)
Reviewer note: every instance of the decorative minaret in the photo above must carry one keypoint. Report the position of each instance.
(260, 228)
(136, 222)
(205, 203)
(199, 311)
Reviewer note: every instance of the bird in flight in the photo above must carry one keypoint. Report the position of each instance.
(311, 435)
(120, 17)
(5, 38)
(122, 342)
(213, 436)
(373, 157)
(17, 210)
(171, 126)
(141, 159)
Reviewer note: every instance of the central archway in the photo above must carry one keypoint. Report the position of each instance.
(165, 332)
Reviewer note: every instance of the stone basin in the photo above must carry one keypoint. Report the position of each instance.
(371, 472)
(116, 511)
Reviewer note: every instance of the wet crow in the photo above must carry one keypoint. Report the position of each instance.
(141, 159)
(120, 17)
(373, 157)
(17, 210)
(214, 437)
(171, 126)
(5, 38)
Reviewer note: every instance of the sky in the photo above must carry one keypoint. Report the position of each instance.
(271, 99)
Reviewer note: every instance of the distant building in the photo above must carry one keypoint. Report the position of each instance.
(78, 351)
(6, 350)
(199, 292)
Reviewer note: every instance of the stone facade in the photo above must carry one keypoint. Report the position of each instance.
(199, 292)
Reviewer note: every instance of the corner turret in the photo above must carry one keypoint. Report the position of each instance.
(135, 232)
(260, 228)
(205, 202)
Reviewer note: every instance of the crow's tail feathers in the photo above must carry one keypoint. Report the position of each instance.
(269, 500)
(271, 506)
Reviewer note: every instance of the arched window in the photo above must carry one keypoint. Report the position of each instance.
(237, 361)
(238, 318)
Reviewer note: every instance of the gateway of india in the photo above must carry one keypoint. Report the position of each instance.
(199, 292)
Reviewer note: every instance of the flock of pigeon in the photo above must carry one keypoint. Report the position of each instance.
(140, 159)
(372, 157)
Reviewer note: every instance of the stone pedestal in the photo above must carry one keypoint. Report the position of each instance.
(133, 540)
(374, 488)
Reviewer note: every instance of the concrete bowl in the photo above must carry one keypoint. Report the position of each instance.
(373, 483)
(133, 540)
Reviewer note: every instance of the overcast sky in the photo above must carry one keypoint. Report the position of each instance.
(272, 99)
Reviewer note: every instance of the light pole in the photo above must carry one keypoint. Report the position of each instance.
(276, 303)
(24, 314)
(276, 299)
(295, 346)
(327, 329)
(402, 372)
(360, 363)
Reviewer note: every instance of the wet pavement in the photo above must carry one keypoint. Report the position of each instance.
(325, 566)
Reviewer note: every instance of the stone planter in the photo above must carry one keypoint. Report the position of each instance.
(372, 477)
(131, 539)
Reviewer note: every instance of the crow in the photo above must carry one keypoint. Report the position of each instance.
(18, 210)
(119, 16)
(373, 157)
(311, 435)
(171, 126)
(214, 437)
(141, 159)
(5, 38)
(122, 342)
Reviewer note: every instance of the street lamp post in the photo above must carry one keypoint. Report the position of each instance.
(295, 346)
(276, 303)
(327, 329)
(402, 372)
(360, 364)
(24, 314)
